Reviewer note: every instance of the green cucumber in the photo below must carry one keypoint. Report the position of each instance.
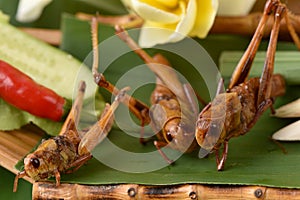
(48, 66)
(286, 63)
(44, 63)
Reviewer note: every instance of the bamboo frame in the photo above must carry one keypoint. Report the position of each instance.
(48, 190)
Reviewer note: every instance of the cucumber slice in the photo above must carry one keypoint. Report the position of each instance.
(46, 64)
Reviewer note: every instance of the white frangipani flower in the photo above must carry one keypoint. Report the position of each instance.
(30, 10)
(171, 20)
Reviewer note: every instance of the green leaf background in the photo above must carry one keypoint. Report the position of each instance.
(253, 159)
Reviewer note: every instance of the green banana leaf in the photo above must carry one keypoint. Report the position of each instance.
(253, 159)
(7, 183)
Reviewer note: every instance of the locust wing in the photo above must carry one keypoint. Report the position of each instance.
(102, 127)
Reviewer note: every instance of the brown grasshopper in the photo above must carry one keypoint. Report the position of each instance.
(68, 151)
(176, 127)
(234, 113)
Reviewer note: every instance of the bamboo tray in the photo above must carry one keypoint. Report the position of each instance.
(15, 144)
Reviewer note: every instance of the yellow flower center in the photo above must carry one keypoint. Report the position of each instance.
(168, 3)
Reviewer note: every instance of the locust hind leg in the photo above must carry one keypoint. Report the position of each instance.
(138, 108)
(265, 81)
(101, 128)
(242, 70)
(265, 87)
(74, 114)
(157, 64)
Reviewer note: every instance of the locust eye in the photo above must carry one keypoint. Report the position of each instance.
(35, 162)
(169, 137)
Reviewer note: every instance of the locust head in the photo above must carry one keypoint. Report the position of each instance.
(210, 133)
(217, 120)
(35, 168)
(180, 135)
(40, 164)
(173, 128)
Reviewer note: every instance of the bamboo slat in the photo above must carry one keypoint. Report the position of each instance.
(248, 24)
(47, 190)
(50, 36)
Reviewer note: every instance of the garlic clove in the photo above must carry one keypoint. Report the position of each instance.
(289, 110)
(288, 133)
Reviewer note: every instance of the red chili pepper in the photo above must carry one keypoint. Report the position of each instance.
(21, 91)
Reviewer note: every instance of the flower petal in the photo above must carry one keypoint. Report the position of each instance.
(167, 3)
(206, 12)
(154, 33)
(151, 13)
(29, 11)
(187, 21)
(128, 4)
